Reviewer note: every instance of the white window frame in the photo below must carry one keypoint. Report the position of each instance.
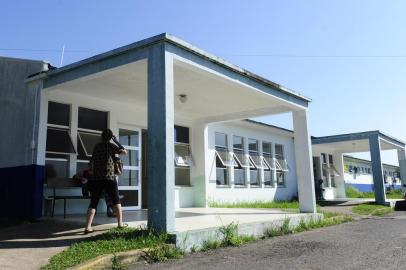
(133, 168)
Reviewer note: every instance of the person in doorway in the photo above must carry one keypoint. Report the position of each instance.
(104, 177)
(84, 176)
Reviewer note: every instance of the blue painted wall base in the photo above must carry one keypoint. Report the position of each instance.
(21, 192)
(370, 187)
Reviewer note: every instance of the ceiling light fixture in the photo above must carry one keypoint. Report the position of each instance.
(182, 98)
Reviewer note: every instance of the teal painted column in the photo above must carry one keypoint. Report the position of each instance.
(402, 165)
(161, 171)
(377, 172)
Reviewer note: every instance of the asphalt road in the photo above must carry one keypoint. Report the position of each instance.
(373, 243)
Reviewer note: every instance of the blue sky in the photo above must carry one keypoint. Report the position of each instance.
(349, 56)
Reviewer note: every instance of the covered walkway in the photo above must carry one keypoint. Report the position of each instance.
(371, 141)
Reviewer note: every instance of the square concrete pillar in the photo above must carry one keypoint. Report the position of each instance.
(161, 170)
(377, 172)
(402, 165)
(200, 170)
(304, 167)
(339, 180)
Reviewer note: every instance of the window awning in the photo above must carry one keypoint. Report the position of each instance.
(88, 141)
(330, 170)
(183, 155)
(59, 142)
(255, 160)
(224, 157)
(281, 165)
(268, 163)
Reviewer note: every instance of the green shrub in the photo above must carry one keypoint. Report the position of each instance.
(210, 244)
(163, 252)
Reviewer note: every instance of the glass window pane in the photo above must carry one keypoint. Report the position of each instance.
(266, 148)
(221, 176)
(268, 178)
(254, 177)
(131, 159)
(92, 119)
(182, 176)
(58, 114)
(81, 151)
(252, 145)
(330, 159)
(182, 155)
(221, 139)
(279, 150)
(239, 177)
(128, 137)
(88, 141)
(238, 142)
(256, 159)
(56, 168)
(269, 163)
(128, 178)
(280, 178)
(181, 134)
(59, 141)
(130, 197)
(241, 159)
(81, 166)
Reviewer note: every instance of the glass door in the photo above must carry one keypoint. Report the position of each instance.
(129, 184)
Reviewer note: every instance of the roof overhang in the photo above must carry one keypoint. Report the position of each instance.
(139, 50)
(356, 142)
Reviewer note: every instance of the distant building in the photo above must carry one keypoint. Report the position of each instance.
(358, 173)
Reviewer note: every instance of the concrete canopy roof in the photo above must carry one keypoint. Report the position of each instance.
(356, 142)
(71, 72)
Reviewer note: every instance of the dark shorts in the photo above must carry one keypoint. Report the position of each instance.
(96, 189)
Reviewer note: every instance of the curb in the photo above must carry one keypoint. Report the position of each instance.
(105, 261)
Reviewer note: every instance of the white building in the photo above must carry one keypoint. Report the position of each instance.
(329, 162)
(144, 92)
(358, 174)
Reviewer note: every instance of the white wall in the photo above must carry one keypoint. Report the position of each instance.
(248, 193)
(203, 187)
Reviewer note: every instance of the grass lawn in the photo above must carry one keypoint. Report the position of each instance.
(283, 205)
(352, 192)
(114, 241)
(119, 240)
(371, 209)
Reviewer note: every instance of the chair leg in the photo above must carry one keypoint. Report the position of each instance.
(64, 208)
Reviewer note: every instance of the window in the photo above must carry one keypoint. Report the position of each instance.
(129, 139)
(87, 142)
(59, 145)
(221, 168)
(181, 134)
(255, 160)
(266, 163)
(92, 119)
(281, 165)
(183, 156)
(240, 164)
(59, 141)
(91, 123)
(58, 114)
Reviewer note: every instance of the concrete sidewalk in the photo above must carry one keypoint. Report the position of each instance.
(29, 246)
